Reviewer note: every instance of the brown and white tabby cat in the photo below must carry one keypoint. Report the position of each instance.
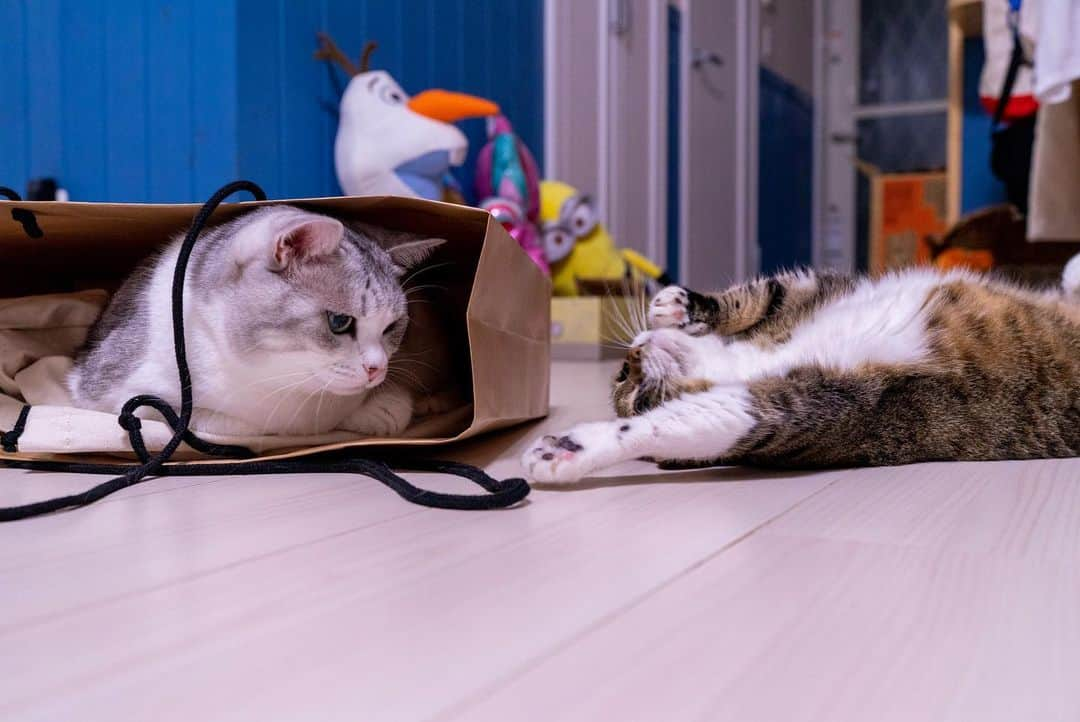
(806, 370)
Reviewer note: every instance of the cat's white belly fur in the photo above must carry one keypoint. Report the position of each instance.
(882, 322)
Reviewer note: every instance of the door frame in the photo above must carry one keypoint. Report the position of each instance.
(566, 123)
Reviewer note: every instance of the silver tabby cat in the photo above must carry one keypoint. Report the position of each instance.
(291, 321)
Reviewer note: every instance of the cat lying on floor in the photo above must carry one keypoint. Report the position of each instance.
(806, 370)
(293, 321)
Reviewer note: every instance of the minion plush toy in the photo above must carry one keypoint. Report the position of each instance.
(577, 245)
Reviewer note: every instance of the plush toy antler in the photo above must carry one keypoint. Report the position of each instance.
(365, 55)
(330, 52)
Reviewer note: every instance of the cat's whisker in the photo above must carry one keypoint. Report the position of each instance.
(234, 391)
(633, 306)
(620, 341)
(637, 307)
(300, 407)
(416, 381)
(619, 322)
(424, 287)
(273, 412)
(413, 379)
(318, 407)
(425, 364)
(619, 319)
(430, 267)
(643, 303)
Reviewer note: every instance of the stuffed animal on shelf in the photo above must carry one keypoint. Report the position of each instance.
(508, 182)
(578, 247)
(389, 143)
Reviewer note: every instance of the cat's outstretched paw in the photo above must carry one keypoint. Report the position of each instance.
(668, 308)
(681, 308)
(555, 458)
(569, 456)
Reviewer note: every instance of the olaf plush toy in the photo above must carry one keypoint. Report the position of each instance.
(389, 143)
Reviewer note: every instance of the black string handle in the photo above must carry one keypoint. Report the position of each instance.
(21, 215)
(499, 493)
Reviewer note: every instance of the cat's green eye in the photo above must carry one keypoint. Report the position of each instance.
(339, 323)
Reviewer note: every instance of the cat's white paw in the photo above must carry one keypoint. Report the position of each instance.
(668, 308)
(207, 421)
(569, 456)
(386, 413)
(438, 402)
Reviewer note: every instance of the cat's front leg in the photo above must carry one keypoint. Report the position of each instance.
(387, 411)
(208, 421)
(703, 426)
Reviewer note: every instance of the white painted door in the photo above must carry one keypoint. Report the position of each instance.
(719, 153)
(606, 125)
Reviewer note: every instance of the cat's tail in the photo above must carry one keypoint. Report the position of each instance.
(1070, 278)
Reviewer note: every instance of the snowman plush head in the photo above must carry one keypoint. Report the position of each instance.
(391, 143)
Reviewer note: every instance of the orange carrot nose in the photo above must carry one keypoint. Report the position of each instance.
(449, 107)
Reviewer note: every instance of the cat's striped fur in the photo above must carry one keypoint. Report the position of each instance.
(817, 370)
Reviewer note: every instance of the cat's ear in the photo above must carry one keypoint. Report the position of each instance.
(311, 237)
(406, 255)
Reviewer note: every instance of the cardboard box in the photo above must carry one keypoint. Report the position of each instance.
(590, 328)
(905, 209)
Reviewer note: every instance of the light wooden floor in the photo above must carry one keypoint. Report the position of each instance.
(932, 592)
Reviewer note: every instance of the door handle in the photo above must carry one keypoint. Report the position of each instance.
(700, 57)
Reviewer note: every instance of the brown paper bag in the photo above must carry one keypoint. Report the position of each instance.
(496, 304)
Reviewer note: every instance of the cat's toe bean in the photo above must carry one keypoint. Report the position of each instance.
(668, 308)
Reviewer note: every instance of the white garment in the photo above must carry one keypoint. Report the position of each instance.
(998, 43)
(1057, 49)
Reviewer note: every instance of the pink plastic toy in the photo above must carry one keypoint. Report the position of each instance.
(508, 184)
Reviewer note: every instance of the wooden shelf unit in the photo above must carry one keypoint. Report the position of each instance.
(965, 21)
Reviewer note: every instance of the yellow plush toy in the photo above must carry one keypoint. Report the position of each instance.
(576, 244)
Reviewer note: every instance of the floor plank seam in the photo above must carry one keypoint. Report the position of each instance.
(463, 706)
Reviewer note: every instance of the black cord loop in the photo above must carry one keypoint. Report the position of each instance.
(21, 215)
(9, 440)
(499, 493)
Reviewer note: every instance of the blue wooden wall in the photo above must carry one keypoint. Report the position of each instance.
(164, 100)
(118, 99)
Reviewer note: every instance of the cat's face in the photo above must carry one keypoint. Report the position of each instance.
(314, 303)
(660, 365)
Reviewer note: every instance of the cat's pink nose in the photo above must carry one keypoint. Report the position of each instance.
(373, 371)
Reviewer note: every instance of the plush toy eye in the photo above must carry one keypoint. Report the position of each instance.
(391, 95)
(557, 244)
(339, 323)
(583, 220)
